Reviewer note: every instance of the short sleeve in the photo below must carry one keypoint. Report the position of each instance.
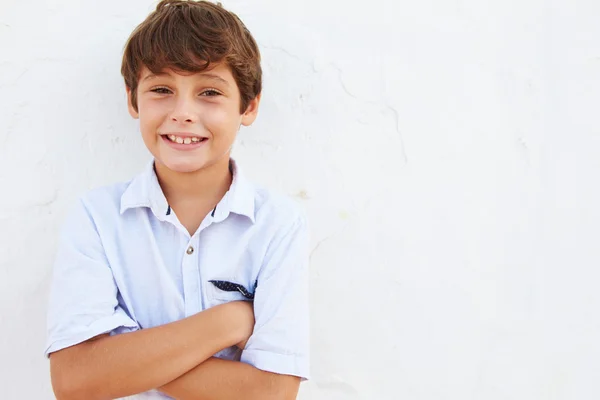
(280, 342)
(84, 296)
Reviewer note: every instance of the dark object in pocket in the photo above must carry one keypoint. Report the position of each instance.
(235, 287)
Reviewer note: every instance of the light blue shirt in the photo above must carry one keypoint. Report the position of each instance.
(125, 263)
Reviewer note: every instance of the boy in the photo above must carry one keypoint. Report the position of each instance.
(187, 282)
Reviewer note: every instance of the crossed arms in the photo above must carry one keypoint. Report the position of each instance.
(174, 358)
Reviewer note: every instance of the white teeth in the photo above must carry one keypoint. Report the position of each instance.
(187, 140)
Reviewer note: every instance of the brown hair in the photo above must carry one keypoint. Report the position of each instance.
(189, 36)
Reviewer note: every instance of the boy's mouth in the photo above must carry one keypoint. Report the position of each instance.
(185, 139)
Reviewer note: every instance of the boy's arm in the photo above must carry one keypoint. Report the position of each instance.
(117, 366)
(217, 379)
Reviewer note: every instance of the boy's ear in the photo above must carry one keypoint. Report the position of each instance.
(251, 112)
(134, 114)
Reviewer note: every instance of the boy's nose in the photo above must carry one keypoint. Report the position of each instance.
(183, 112)
(181, 119)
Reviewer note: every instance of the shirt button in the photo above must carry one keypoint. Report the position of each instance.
(190, 250)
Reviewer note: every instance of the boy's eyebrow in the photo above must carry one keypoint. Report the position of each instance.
(152, 76)
(215, 77)
(208, 75)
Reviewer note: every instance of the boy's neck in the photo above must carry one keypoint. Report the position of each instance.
(206, 187)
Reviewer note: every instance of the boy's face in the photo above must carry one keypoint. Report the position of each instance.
(189, 121)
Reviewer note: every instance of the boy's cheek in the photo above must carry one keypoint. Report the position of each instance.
(221, 119)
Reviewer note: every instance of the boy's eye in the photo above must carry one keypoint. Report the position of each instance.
(210, 93)
(207, 92)
(161, 90)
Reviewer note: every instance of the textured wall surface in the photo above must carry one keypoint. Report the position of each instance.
(447, 153)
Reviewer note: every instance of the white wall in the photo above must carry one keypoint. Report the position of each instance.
(447, 153)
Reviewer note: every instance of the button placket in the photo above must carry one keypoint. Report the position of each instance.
(191, 278)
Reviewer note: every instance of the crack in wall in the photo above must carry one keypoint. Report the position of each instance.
(291, 55)
(398, 131)
(319, 243)
(386, 105)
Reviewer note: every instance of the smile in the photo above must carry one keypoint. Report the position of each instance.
(185, 140)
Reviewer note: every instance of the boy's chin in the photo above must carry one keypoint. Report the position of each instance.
(184, 166)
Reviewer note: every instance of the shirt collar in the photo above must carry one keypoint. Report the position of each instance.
(145, 191)
(239, 199)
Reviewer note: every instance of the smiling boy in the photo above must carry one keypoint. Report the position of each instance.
(188, 281)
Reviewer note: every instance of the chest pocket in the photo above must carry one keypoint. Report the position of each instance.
(223, 291)
(230, 272)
